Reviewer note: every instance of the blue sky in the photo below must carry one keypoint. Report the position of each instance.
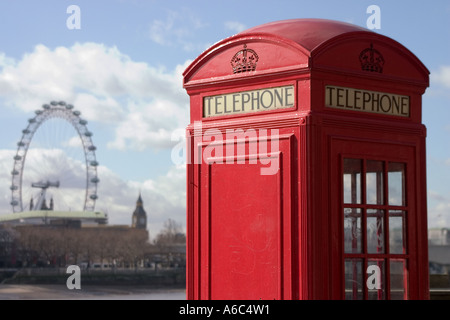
(123, 68)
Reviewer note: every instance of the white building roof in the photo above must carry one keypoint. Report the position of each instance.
(42, 216)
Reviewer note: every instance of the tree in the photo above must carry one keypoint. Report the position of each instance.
(8, 242)
(171, 243)
(170, 234)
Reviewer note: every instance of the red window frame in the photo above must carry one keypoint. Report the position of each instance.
(357, 260)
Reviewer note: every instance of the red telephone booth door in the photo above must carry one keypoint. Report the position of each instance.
(376, 221)
(246, 204)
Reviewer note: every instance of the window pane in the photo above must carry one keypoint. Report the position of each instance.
(397, 244)
(375, 231)
(374, 182)
(399, 280)
(396, 182)
(352, 230)
(353, 279)
(376, 279)
(352, 180)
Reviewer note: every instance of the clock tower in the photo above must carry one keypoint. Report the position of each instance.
(139, 219)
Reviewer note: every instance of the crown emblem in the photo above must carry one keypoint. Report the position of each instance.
(244, 60)
(371, 60)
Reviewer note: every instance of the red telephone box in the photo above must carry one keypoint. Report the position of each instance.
(306, 174)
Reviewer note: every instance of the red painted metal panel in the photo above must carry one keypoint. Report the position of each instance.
(245, 250)
(246, 254)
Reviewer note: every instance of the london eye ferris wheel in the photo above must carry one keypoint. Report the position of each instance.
(55, 166)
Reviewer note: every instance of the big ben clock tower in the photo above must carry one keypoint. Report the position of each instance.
(139, 219)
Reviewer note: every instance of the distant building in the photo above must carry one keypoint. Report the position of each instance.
(139, 218)
(439, 250)
(74, 219)
(439, 236)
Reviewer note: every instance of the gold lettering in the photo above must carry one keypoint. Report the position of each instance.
(367, 101)
(249, 101)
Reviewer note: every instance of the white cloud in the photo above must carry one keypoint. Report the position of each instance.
(163, 31)
(178, 28)
(163, 198)
(105, 85)
(441, 76)
(235, 26)
(148, 124)
(4, 60)
(438, 210)
(439, 215)
(172, 186)
(74, 142)
(433, 195)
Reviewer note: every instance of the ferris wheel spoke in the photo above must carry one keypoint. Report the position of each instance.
(56, 157)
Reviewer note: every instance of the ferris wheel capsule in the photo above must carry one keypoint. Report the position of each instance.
(94, 163)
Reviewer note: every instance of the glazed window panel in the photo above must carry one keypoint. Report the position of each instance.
(352, 230)
(374, 182)
(399, 279)
(352, 181)
(354, 279)
(396, 183)
(375, 215)
(397, 234)
(375, 231)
